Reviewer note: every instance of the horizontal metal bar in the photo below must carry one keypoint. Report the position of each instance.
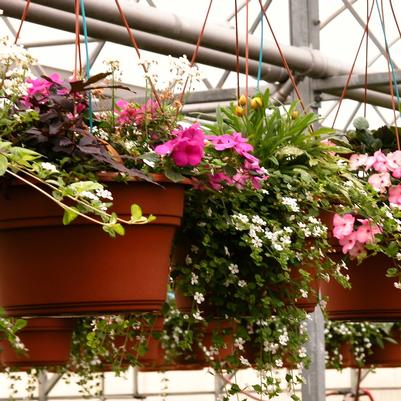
(356, 81)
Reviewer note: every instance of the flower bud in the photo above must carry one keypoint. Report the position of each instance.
(294, 114)
(242, 101)
(256, 102)
(239, 111)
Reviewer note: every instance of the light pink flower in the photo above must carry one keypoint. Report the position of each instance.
(378, 162)
(380, 181)
(347, 242)
(396, 173)
(343, 226)
(356, 161)
(395, 195)
(366, 231)
(394, 160)
(357, 250)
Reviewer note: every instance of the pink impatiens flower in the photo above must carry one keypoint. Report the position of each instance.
(356, 161)
(380, 181)
(343, 226)
(348, 242)
(366, 231)
(187, 148)
(357, 250)
(395, 195)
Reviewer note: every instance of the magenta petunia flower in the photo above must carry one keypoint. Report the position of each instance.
(187, 148)
(343, 226)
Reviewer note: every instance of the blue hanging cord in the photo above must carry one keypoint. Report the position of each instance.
(397, 93)
(88, 66)
(260, 52)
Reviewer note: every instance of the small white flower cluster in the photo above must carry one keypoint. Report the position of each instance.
(104, 193)
(15, 62)
(194, 279)
(315, 228)
(292, 203)
(49, 167)
(198, 297)
(170, 74)
(280, 239)
(100, 133)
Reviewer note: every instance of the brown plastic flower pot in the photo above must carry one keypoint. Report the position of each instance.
(48, 342)
(48, 269)
(372, 296)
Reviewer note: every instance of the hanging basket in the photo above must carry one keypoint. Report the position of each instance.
(372, 296)
(48, 342)
(48, 269)
(389, 356)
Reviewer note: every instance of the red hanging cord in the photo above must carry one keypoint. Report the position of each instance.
(283, 59)
(365, 97)
(23, 18)
(353, 66)
(196, 51)
(78, 60)
(247, 55)
(237, 48)
(390, 79)
(135, 44)
(395, 18)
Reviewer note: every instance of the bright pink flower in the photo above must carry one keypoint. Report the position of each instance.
(395, 195)
(39, 86)
(126, 112)
(343, 226)
(216, 181)
(187, 148)
(380, 181)
(356, 161)
(347, 242)
(357, 250)
(366, 231)
(146, 111)
(241, 144)
(187, 153)
(221, 142)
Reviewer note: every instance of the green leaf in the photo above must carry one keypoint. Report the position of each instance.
(3, 164)
(136, 212)
(290, 151)
(118, 228)
(173, 175)
(69, 215)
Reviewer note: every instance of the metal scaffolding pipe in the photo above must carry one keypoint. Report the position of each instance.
(113, 33)
(305, 61)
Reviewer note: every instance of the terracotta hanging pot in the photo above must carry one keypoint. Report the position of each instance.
(389, 356)
(48, 269)
(48, 342)
(372, 296)
(196, 359)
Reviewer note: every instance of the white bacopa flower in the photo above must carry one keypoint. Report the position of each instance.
(226, 251)
(239, 343)
(188, 260)
(304, 294)
(104, 193)
(397, 285)
(194, 279)
(233, 268)
(241, 283)
(279, 363)
(244, 361)
(198, 297)
(197, 315)
(89, 195)
(194, 249)
(49, 167)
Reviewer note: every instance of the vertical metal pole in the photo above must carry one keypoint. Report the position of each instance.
(315, 386)
(304, 32)
(42, 386)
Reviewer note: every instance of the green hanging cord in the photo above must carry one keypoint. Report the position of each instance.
(397, 93)
(260, 52)
(88, 66)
